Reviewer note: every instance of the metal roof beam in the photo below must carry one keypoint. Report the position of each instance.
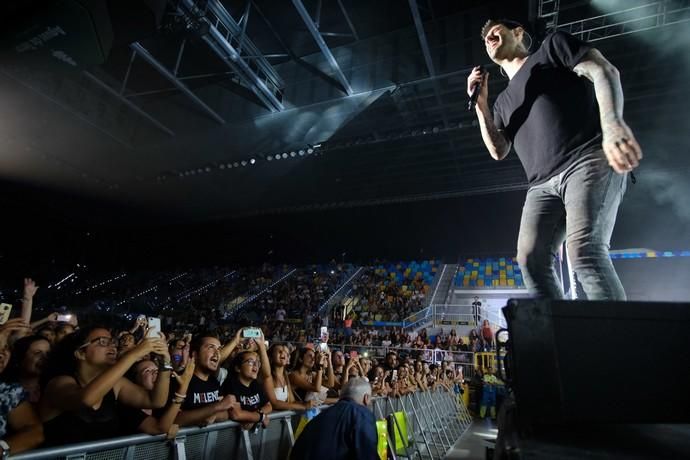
(260, 77)
(148, 57)
(314, 31)
(653, 15)
(128, 103)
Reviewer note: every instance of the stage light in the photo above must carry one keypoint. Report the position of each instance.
(236, 164)
(208, 169)
(244, 163)
(293, 154)
(301, 153)
(310, 151)
(199, 170)
(222, 166)
(252, 161)
(269, 158)
(285, 155)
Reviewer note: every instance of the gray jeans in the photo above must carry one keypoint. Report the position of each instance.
(579, 205)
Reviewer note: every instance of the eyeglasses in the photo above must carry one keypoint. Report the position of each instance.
(252, 362)
(102, 342)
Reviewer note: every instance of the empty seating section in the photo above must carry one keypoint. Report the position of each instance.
(489, 272)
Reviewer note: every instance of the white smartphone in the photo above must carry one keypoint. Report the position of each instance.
(5, 310)
(324, 334)
(64, 318)
(251, 333)
(154, 325)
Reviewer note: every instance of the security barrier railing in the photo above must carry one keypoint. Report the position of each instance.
(422, 423)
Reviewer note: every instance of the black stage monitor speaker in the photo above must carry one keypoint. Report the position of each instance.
(598, 361)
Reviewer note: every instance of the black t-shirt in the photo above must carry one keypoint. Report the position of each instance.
(199, 392)
(251, 398)
(547, 111)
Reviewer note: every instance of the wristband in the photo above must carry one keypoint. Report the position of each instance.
(180, 396)
(4, 449)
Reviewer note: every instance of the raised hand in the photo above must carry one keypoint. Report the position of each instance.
(151, 345)
(30, 289)
(477, 76)
(184, 379)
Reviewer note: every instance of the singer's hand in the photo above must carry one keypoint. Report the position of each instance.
(621, 149)
(481, 77)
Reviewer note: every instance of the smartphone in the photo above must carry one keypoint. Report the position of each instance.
(154, 325)
(323, 346)
(324, 334)
(251, 333)
(5, 309)
(64, 318)
(394, 377)
(353, 354)
(176, 359)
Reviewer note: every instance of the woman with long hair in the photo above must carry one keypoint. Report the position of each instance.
(145, 373)
(276, 381)
(29, 355)
(307, 375)
(84, 383)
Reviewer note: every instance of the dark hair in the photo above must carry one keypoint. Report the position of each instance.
(198, 340)
(239, 358)
(62, 360)
(298, 357)
(63, 325)
(510, 24)
(19, 350)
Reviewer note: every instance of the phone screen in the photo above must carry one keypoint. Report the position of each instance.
(251, 333)
(5, 310)
(64, 318)
(154, 325)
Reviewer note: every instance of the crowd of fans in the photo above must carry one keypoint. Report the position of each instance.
(67, 378)
(65, 382)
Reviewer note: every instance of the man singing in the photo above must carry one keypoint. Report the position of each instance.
(576, 155)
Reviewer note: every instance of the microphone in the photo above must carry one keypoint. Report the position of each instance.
(475, 92)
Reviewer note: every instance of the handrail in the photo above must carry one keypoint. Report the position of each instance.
(433, 420)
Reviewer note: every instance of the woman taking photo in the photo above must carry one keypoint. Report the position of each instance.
(307, 375)
(85, 383)
(276, 382)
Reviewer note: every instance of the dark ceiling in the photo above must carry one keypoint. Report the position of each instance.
(402, 134)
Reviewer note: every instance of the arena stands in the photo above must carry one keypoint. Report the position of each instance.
(489, 273)
(46, 354)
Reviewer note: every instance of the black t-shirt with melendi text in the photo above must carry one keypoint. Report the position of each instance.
(251, 398)
(547, 111)
(199, 392)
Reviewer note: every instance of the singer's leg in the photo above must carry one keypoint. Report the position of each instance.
(592, 194)
(542, 230)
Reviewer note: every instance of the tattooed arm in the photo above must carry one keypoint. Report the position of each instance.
(619, 144)
(495, 141)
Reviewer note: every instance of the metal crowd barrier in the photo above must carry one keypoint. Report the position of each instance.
(435, 420)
